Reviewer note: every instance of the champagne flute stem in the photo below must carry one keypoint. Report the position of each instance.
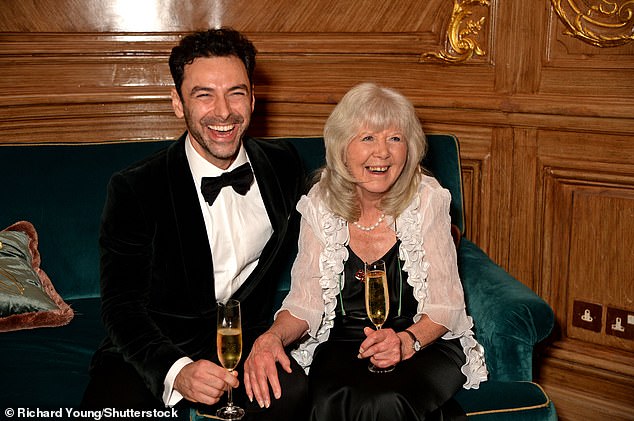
(229, 397)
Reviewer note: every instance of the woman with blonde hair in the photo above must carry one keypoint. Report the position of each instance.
(373, 202)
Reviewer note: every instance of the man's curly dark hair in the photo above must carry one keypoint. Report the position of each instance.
(221, 42)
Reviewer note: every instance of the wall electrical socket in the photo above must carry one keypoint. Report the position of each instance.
(587, 315)
(619, 323)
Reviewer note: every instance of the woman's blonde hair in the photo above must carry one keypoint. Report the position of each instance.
(370, 107)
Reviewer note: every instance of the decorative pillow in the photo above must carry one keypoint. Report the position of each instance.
(27, 296)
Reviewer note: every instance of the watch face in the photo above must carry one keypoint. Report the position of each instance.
(417, 346)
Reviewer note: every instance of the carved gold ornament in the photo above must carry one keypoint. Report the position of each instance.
(602, 23)
(462, 34)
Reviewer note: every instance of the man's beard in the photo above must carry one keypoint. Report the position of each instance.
(208, 145)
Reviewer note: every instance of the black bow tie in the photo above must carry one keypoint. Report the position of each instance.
(240, 179)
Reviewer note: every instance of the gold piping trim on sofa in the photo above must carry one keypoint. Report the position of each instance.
(200, 414)
(524, 408)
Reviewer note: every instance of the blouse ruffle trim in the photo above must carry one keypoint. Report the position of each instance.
(331, 263)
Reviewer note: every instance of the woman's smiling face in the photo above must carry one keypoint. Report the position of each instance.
(375, 159)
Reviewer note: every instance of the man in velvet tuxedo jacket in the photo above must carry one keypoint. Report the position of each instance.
(169, 252)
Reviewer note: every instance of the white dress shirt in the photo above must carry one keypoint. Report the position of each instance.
(238, 228)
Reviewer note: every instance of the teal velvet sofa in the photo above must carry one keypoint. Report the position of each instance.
(60, 189)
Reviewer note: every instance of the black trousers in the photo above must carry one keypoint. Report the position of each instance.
(420, 388)
(116, 384)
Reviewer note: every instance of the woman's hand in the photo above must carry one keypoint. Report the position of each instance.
(260, 368)
(383, 347)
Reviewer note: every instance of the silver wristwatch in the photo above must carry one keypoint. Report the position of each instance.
(416, 346)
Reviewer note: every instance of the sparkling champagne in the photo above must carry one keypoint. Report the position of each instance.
(229, 343)
(377, 303)
(229, 347)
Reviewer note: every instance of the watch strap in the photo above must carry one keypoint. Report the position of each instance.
(415, 341)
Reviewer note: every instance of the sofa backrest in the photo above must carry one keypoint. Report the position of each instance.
(61, 190)
(443, 162)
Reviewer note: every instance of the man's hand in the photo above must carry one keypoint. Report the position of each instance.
(383, 347)
(260, 368)
(205, 382)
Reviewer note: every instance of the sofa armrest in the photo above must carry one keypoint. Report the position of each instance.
(509, 317)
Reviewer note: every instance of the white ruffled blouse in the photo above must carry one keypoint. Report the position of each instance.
(429, 256)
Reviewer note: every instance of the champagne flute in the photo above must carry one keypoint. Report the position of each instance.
(229, 345)
(377, 301)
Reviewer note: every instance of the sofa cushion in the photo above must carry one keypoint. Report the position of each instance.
(500, 400)
(27, 296)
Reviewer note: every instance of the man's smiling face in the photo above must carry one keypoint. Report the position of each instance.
(217, 103)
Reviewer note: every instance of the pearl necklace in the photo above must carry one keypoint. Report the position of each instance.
(371, 227)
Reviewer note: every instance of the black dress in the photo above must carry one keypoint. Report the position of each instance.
(420, 388)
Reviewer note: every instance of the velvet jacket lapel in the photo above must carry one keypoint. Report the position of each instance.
(277, 208)
(193, 241)
(192, 236)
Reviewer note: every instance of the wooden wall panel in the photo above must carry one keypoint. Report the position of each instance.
(524, 181)
(540, 94)
(475, 152)
(587, 204)
(287, 16)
